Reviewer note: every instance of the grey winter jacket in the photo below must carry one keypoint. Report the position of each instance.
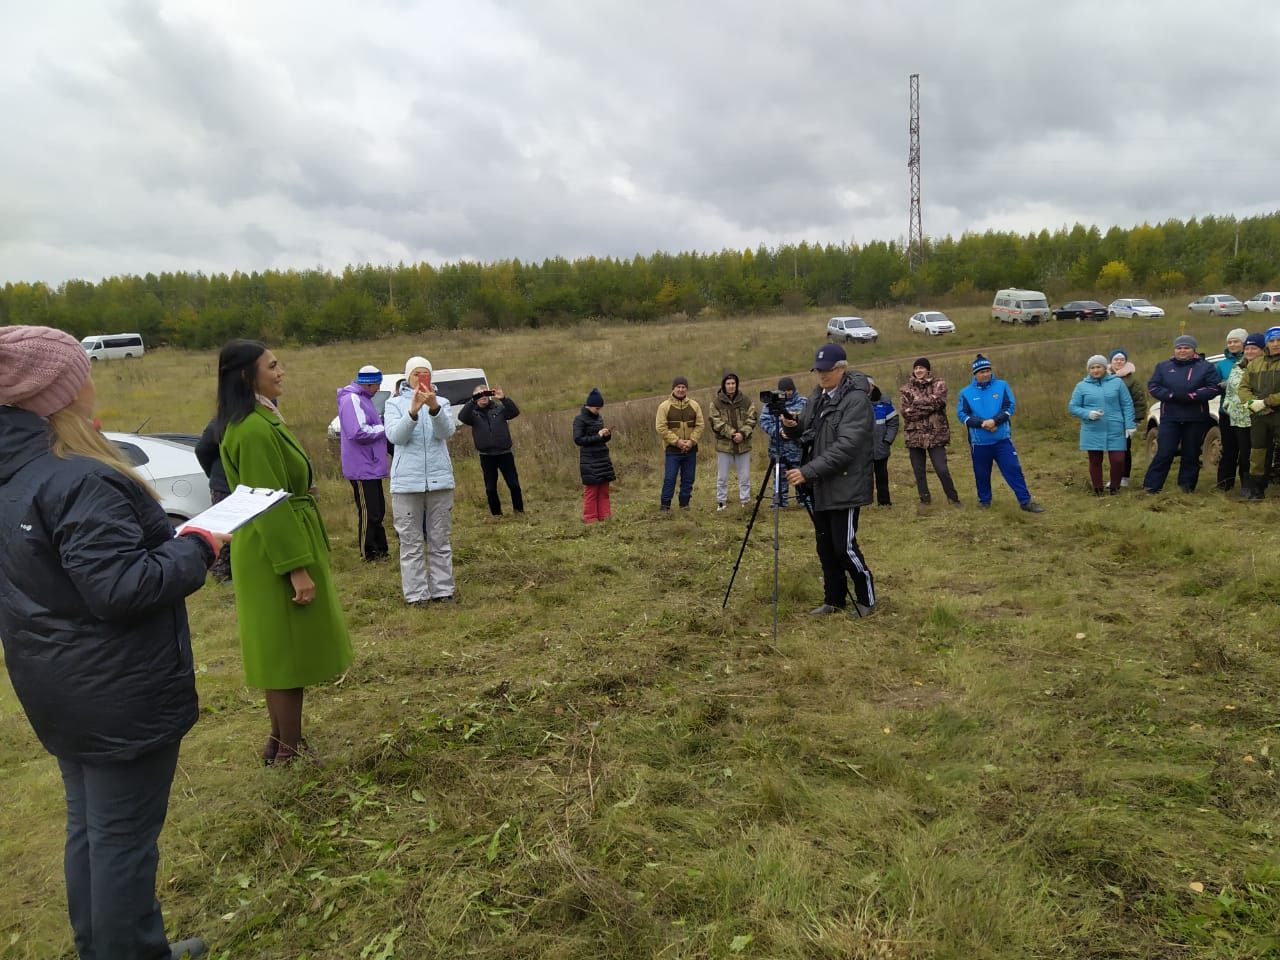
(838, 429)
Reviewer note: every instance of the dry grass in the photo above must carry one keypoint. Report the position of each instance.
(1055, 726)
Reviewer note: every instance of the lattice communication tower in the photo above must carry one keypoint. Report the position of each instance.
(915, 233)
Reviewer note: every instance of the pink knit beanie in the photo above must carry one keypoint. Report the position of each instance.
(41, 369)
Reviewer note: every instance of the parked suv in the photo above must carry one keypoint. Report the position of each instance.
(851, 329)
(1020, 306)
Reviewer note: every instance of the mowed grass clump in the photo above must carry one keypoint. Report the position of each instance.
(1054, 739)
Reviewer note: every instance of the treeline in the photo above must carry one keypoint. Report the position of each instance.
(316, 306)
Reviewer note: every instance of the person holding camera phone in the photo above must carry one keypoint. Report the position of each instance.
(419, 425)
(836, 430)
(487, 413)
(594, 463)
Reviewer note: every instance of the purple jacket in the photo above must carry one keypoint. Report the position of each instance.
(364, 439)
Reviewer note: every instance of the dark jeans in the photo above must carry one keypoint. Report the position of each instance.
(836, 534)
(114, 815)
(938, 456)
(490, 465)
(1235, 454)
(686, 465)
(1127, 471)
(1002, 454)
(371, 512)
(1172, 436)
(880, 481)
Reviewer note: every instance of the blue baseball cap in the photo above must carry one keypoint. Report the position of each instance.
(828, 355)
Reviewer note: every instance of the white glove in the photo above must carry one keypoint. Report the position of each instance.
(1095, 414)
(1257, 406)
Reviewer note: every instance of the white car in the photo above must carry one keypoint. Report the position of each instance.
(933, 322)
(850, 329)
(1134, 307)
(1266, 302)
(455, 385)
(1218, 304)
(170, 467)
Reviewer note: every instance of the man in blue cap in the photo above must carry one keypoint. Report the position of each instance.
(836, 428)
(986, 408)
(1259, 391)
(1184, 384)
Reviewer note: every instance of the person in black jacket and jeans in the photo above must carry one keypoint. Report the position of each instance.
(92, 582)
(1184, 384)
(836, 429)
(210, 457)
(487, 413)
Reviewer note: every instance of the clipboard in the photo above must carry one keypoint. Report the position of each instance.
(234, 511)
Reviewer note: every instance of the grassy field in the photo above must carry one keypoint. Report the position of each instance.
(1053, 740)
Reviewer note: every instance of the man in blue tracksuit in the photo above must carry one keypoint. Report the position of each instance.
(985, 407)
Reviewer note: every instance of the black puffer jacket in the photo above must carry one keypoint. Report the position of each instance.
(210, 458)
(594, 462)
(488, 424)
(92, 582)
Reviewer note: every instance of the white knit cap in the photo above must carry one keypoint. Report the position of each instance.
(1239, 333)
(414, 363)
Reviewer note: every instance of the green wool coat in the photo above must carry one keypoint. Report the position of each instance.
(283, 645)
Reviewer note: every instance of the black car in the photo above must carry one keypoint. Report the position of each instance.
(1080, 310)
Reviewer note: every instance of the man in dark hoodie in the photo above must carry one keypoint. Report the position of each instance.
(836, 428)
(1184, 384)
(487, 413)
(733, 417)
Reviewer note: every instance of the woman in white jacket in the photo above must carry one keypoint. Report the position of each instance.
(419, 425)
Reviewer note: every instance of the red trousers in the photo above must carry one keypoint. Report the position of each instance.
(595, 502)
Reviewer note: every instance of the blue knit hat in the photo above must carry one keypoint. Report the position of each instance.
(980, 363)
(369, 374)
(594, 398)
(1273, 333)
(1118, 352)
(1257, 339)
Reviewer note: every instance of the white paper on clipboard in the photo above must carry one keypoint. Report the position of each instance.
(234, 511)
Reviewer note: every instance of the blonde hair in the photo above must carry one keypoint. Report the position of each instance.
(74, 436)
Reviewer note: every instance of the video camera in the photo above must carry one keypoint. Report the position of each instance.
(775, 402)
(483, 393)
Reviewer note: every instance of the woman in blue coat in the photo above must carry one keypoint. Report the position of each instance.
(1102, 402)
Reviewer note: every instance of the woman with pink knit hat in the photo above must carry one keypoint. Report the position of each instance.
(92, 584)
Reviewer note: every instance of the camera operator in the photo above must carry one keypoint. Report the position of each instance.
(781, 450)
(835, 432)
(487, 413)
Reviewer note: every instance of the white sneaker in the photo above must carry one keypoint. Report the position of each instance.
(719, 507)
(1124, 481)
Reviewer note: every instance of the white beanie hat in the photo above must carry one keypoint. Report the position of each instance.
(1239, 333)
(414, 363)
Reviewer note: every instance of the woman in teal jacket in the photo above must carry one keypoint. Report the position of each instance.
(1102, 402)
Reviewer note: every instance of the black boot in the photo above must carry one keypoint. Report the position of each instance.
(1251, 488)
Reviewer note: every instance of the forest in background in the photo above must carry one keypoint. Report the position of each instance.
(318, 306)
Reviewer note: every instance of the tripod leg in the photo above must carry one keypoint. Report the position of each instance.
(764, 485)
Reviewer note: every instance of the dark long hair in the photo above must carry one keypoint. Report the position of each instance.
(237, 373)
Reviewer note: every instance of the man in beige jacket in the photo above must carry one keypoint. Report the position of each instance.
(679, 423)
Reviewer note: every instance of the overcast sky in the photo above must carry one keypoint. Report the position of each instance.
(255, 134)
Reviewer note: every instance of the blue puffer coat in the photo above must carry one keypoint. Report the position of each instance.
(1111, 396)
(421, 461)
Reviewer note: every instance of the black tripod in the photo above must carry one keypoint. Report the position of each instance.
(774, 474)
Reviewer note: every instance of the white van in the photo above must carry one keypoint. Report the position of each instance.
(113, 346)
(1020, 306)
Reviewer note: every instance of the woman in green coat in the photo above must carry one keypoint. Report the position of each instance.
(292, 632)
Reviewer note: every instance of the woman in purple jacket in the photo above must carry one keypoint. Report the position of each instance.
(364, 458)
